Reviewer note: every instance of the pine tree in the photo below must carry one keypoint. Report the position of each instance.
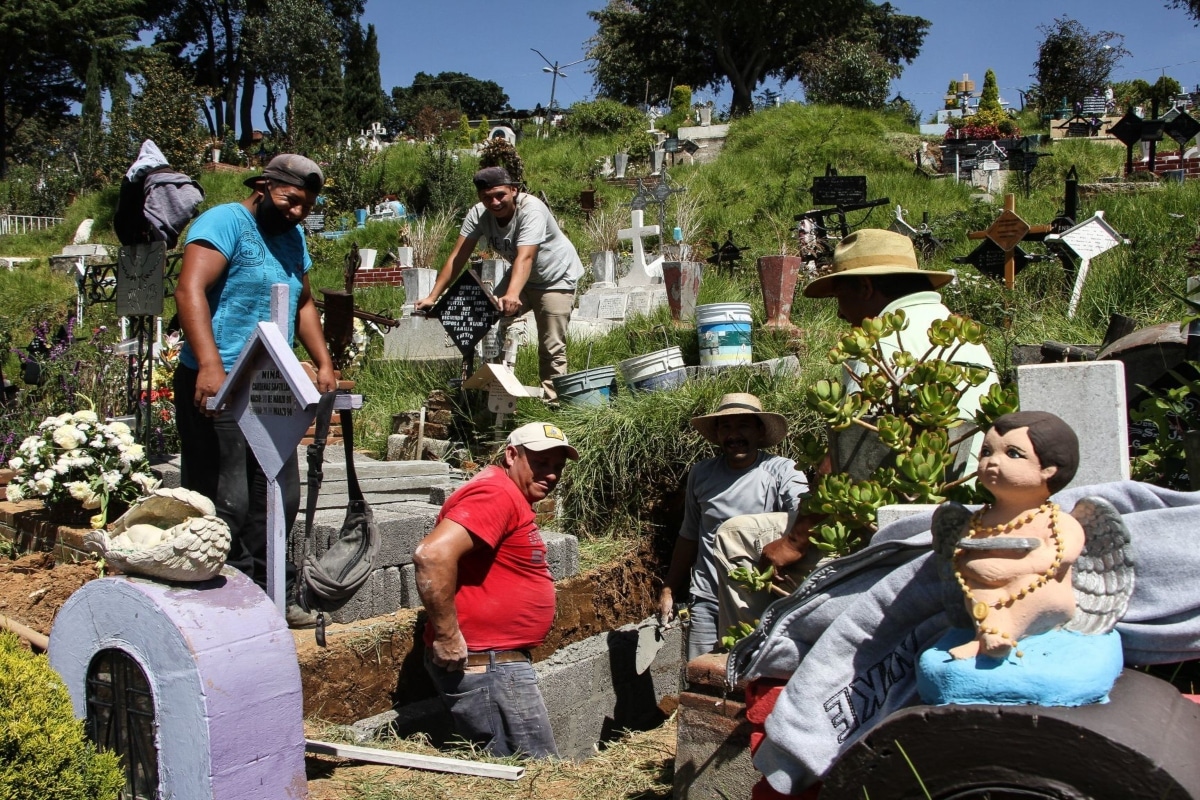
(989, 98)
(91, 119)
(364, 100)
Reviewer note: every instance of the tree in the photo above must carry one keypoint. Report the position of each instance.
(48, 45)
(293, 47)
(642, 47)
(989, 98)
(448, 91)
(1073, 62)
(364, 101)
(167, 110)
(847, 73)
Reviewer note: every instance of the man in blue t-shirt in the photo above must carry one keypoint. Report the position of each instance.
(234, 254)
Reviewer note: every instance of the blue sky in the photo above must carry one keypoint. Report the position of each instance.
(492, 41)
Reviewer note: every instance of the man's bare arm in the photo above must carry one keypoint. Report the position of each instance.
(436, 560)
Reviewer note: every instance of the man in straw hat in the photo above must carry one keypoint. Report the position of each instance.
(741, 480)
(234, 253)
(874, 272)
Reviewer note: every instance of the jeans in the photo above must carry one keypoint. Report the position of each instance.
(500, 709)
(216, 461)
(702, 635)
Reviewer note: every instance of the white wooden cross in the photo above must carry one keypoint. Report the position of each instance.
(638, 275)
(274, 401)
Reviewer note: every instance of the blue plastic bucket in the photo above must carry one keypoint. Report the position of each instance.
(724, 331)
(591, 387)
(654, 371)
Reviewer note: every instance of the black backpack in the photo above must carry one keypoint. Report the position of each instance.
(327, 582)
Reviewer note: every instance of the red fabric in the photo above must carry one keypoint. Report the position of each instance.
(505, 594)
(761, 696)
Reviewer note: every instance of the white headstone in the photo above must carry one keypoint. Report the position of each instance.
(638, 274)
(84, 232)
(1090, 397)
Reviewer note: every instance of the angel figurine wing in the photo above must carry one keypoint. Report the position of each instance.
(950, 521)
(1103, 575)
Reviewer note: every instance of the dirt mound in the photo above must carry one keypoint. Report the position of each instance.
(33, 588)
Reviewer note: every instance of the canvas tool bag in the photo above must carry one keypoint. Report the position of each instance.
(327, 582)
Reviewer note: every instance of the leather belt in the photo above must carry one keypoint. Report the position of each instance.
(499, 657)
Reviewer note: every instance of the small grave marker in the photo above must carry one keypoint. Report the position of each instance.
(274, 402)
(638, 273)
(140, 279)
(832, 189)
(1006, 232)
(467, 311)
(502, 387)
(1084, 242)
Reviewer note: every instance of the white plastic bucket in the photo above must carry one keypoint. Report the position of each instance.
(724, 332)
(591, 387)
(649, 372)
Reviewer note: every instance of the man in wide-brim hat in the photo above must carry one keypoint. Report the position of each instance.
(742, 480)
(875, 272)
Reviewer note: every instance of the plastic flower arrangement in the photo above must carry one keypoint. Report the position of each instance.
(76, 457)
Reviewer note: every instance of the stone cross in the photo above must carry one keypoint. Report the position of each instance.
(638, 274)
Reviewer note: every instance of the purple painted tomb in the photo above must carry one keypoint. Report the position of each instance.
(223, 672)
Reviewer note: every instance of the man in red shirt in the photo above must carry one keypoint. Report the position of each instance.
(489, 598)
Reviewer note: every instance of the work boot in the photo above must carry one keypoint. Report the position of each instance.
(297, 617)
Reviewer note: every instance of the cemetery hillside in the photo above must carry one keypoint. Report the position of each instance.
(1062, 246)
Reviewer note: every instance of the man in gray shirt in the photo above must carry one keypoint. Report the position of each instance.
(545, 266)
(742, 480)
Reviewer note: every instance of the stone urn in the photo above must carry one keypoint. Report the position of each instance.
(777, 276)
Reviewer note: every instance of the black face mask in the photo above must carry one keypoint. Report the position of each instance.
(271, 220)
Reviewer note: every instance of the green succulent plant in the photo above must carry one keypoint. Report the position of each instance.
(909, 398)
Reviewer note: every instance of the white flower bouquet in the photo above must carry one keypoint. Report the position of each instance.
(75, 459)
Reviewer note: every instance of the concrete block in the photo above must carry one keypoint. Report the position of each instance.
(438, 494)
(1090, 397)
(593, 691)
(409, 598)
(712, 753)
(886, 515)
(378, 596)
(402, 526)
(396, 444)
(167, 472)
(562, 554)
(419, 339)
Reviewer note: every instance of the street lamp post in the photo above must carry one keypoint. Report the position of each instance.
(555, 70)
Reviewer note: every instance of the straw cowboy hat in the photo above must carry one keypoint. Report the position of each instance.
(740, 403)
(873, 252)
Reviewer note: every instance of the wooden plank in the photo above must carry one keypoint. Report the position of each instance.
(413, 761)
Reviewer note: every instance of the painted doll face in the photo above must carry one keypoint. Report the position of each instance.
(1008, 461)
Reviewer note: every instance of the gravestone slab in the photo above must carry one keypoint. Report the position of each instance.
(1090, 397)
(419, 339)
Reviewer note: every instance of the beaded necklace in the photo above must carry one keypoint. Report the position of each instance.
(980, 609)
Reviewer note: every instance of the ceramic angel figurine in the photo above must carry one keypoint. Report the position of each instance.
(1033, 592)
(173, 534)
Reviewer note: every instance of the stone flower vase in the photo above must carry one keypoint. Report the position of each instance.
(777, 275)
